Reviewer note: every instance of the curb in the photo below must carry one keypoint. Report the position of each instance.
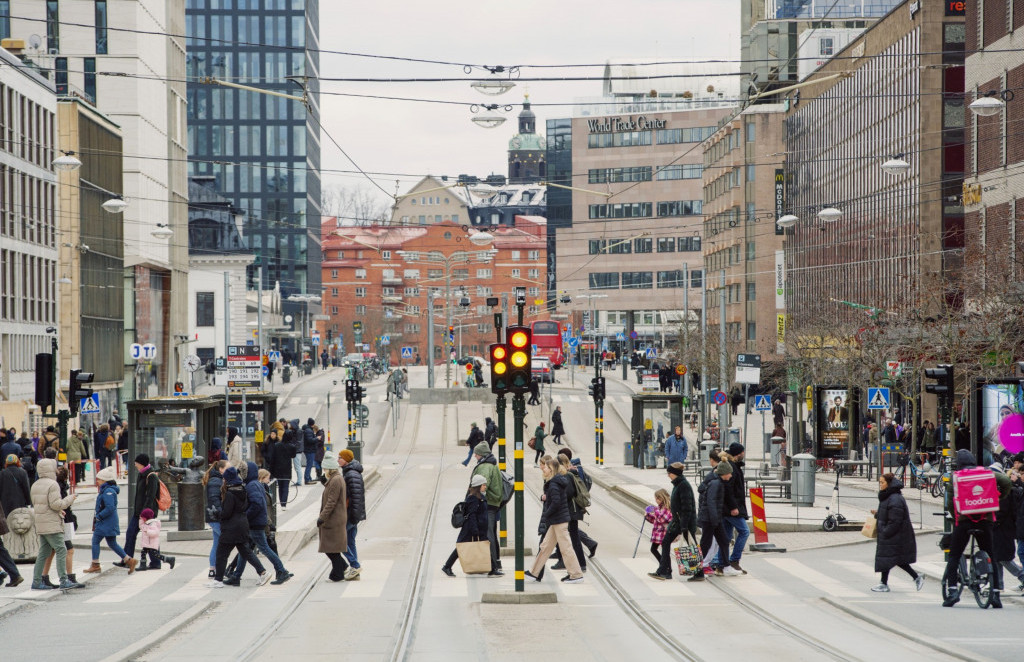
(522, 598)
(14, 608)
(163, 632)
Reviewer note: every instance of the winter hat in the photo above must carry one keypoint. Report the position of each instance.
(481, 449)
(231, 476)
(142, 459)
(477, 480)
(542, 423)
(215, 444)
(147, 514)
(676, 468)
(106, 475)
(723, 469)
(310, 422)
(735, 448)
(346, 455)
(330, 461)
(12, 460)
(965, 459)
(996, 467)
(473, 424)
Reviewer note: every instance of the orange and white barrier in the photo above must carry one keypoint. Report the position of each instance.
(761, 543)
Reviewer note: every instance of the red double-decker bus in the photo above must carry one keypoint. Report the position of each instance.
(547, 336)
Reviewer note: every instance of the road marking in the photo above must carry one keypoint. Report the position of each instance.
(449, 587)
(816, 579)
(301, 569)
(750, 586)
(373, 577)
(640, 567)
(583, 590)
(428, 466)
(191, 591)
(129, 587)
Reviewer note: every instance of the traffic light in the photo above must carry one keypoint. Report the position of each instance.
(350, 390)
(360, 392)
(592, 388)
(944, 387)
(499, 369)
(78, 388)
(44, 380)
(518, 340)
(451, 335)
(599, 388)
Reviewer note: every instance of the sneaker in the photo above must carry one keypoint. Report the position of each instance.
(496, 573)
(448, 571)
(214, 584)
(919, 582)
(265, 577)
(951, 600)
(284, 506)
(351, 574)
(48, 582)
(881, 588)
(708, 571)
(730, 571)
(736, 566)
(696, 578)
(282, 578)
(232, 581)
(40, 586)
(655, 575)
(719, 572)
(530, 575)
(66, 584)
(15, 582)
(558, 566)
(570, 580)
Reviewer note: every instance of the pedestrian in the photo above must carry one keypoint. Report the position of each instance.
(490, 432)
(735, 516)
(10, 445)
(29, 458)
(355, 490)
(8, 568)
(258, 520)
(234, 529)
(538, 443)
(474, 526)
(487, 466)
(147, 491)
(577, 467)
(213, 482)
(321, 445)
(105, 521)
(309, 444)
(76, 455)
(734, 400)
(557, 429)
(778, 411)
(555, 521)
(47, 505)
(215, 454)
(981, 524)
(14, 486)
(1004, 530)
(234, 446)
(711, 512)
(676, 448)
(333, 518)
(103, 443)
(70, 524)
(405, 381)
(534, 392)
(576, 513)
(659, 515)
(278, 457)
(897, 544)
(474, 439)
(684, 517)
(149, 534)
(293, 437)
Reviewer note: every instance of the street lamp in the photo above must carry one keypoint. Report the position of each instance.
(988, 105)
(896, 165)
(490, 118)
(67, 162)
(829, 215)
(305, 299)
(162, 231)
(787, 221)
(116, 205)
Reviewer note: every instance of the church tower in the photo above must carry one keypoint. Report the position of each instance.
(526, 150)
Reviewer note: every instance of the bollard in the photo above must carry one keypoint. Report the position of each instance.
(191, 507)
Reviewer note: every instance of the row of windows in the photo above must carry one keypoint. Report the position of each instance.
(28, 287)
(27, 207)
(693, 135)
(681, 171)
(423, 219)
(254, 5)
(614, 175)
(644, 245)
(644, 209)
(430, 200)
(643, 280)
(26, 128)
(642, 138)
(244, 30)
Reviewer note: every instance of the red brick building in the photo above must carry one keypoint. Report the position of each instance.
(381, 276)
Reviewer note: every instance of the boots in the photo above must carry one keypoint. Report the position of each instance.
(143, 565)
(46, 582)
(71, 576)
(169, 560)
(95, 567)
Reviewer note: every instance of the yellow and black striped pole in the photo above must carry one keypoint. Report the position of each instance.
(518, 414)
(502, 516)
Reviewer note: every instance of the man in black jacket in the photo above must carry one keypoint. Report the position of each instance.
(309, 443)
(355, 491)
(711, 511)
(735, 513)
(475, 437)
(147, 491)
(684, 518)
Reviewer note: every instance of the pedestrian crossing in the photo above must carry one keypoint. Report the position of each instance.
(556, 397)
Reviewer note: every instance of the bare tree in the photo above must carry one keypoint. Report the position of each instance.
(355, 205)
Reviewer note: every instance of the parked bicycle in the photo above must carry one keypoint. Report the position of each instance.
(923, 476)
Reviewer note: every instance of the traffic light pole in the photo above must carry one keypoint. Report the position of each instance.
(518, 414)
(502, 516)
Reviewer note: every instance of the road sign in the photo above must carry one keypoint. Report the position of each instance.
(243, 366)
(878, 398)
(651, 353)
(586, 320)
(533, 350)
(634, 335)
(574, 343)
(266, 371)
(407, 352)
(315, 337)
(385, 340)
(620, 336)
(146, 351)
(894, 369)
(762, 403)
(180, 394)
(748, 368)
(720, 398)
(680, 369)
(90, 405)
(362, 412)
(275, 356)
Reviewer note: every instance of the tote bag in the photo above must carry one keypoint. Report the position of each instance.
(474, 557)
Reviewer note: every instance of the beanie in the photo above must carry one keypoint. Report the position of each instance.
(142, 459)
(723, 469)
(147, 513)
(676, 468)
(11, 461)
(346, 455)
(106, 475)
(481, 449)
(330, 461)
(309, 422)
(735, 448)
(477, 480)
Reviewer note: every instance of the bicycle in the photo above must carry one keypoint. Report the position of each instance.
(974, 572)
(923, 477)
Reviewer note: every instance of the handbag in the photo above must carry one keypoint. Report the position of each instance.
(474, 557)
(870, 528)
(688, 558)
(532, 443)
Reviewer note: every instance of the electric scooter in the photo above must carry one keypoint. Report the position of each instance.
(834, 518)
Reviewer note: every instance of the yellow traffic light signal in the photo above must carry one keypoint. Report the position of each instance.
(518, 340)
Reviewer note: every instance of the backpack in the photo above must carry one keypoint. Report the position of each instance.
(508, 487)
(459, 515)
(110, 443)
(582, 497)
(975, 491)
(163, 501)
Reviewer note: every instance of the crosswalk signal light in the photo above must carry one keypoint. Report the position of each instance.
(350, 390)
(943, 387)
(592, 389)
(499, 369)
(78, 389)
(360, 392)
(518, 340)
(598, 388)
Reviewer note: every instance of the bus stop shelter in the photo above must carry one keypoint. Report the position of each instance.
(648, 410)
(260, 413)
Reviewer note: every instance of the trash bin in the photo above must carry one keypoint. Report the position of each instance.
(734, 435)
(627, 453)
(357, 450)
(706, 447)
(803, 479)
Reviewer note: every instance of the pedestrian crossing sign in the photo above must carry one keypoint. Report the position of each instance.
(620, 336)
(90, 405)
(878, 398)
(407, 352)
(651, 353)
(762, 403)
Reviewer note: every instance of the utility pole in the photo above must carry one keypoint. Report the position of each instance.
(430, 339)
(259, 331)
(684, 382)
(723, 410)
(704, 404)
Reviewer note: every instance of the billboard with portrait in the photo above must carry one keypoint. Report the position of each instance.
(1000, 405)
(836, 421)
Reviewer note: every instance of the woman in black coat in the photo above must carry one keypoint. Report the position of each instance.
(557, 428)
(555, 517)
(474, 527)
(897, 546)
(234, 529)
(278, 455)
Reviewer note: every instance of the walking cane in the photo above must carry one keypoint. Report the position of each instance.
(640, 536)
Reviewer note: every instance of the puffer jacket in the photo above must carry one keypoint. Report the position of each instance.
(896, 541)
(46, 501)
(149, 533)
(14, 488)
(106, 511)
(213, 486)
(556, 501)
(278, 456)
(355, 490)
(76, 448)
(234, 525)
(711, 502)
(684, 512)
(256, 510)
(475, 525)
(737, 488)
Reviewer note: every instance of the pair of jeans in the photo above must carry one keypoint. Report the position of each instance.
(297, 465)
(1020, 551)
(111, 543)
(310, 464)
(215, 527)
(258, 539)
(51, 542)
(492, 535)
(244, 550)
(282, 491)
(350, 553)
(132, 535)
(338, 566)
(743, 532)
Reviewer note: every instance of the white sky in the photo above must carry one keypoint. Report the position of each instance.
(420, 138)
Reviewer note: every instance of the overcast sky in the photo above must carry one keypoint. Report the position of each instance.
(419, 138)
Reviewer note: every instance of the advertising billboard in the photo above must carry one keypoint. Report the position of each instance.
(836, 421)
(1000, 412)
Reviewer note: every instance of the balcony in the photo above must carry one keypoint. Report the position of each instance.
(392, 280)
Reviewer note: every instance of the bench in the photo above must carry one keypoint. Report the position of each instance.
(783, 486)
(845, 464)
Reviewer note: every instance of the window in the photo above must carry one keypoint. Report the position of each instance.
(411, 273)
(204, 309)
(5, 19)
(666, 245)
(751, 330)
(689, 244)
(670, 278)
(412, 328)
(515, 255)
(751, 172)
(693, 135)
(620, 247)
(515, 273)
(334, 291)
(692, 171)
(483, 291)
(361, 292)
(751, 250)
(614, 175)
(89, 68)
(750, 132)
(533, 255)
(101, 27)
(621, 210)
(826, 46)
(620, 139)
(680, 208)
(595, 246)
(643, 245)
(388, 291)
(60, 75)
(334, 310)
(460, 274)
(360, 310)
(483, 328)
(533, 291)
(412, 310)
(361, 273)
(751, 292)
(386, 255)
(696, 278)
(637, 280)
(53, 26)
(435, 273)
(604, 281)
(412, 291)
(334, 273)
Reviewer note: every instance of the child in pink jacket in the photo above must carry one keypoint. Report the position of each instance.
(659, 515)
(149, 539)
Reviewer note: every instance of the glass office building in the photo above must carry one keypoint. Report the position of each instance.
(262, 151)
(829, 9)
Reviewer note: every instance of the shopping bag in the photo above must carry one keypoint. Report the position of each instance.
(474, 557)
(532, 443)
(688, 557)
(870, 528)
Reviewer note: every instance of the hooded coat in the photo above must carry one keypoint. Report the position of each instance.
(711, 502)
(105, 514)
(256, 510)
(896, 541)
(234, 525)
(355, 490)
(47, 503)
(333, 516)
(557, 428)
(14, 488)
(556, 500)
(684, 511)
(278, 456)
